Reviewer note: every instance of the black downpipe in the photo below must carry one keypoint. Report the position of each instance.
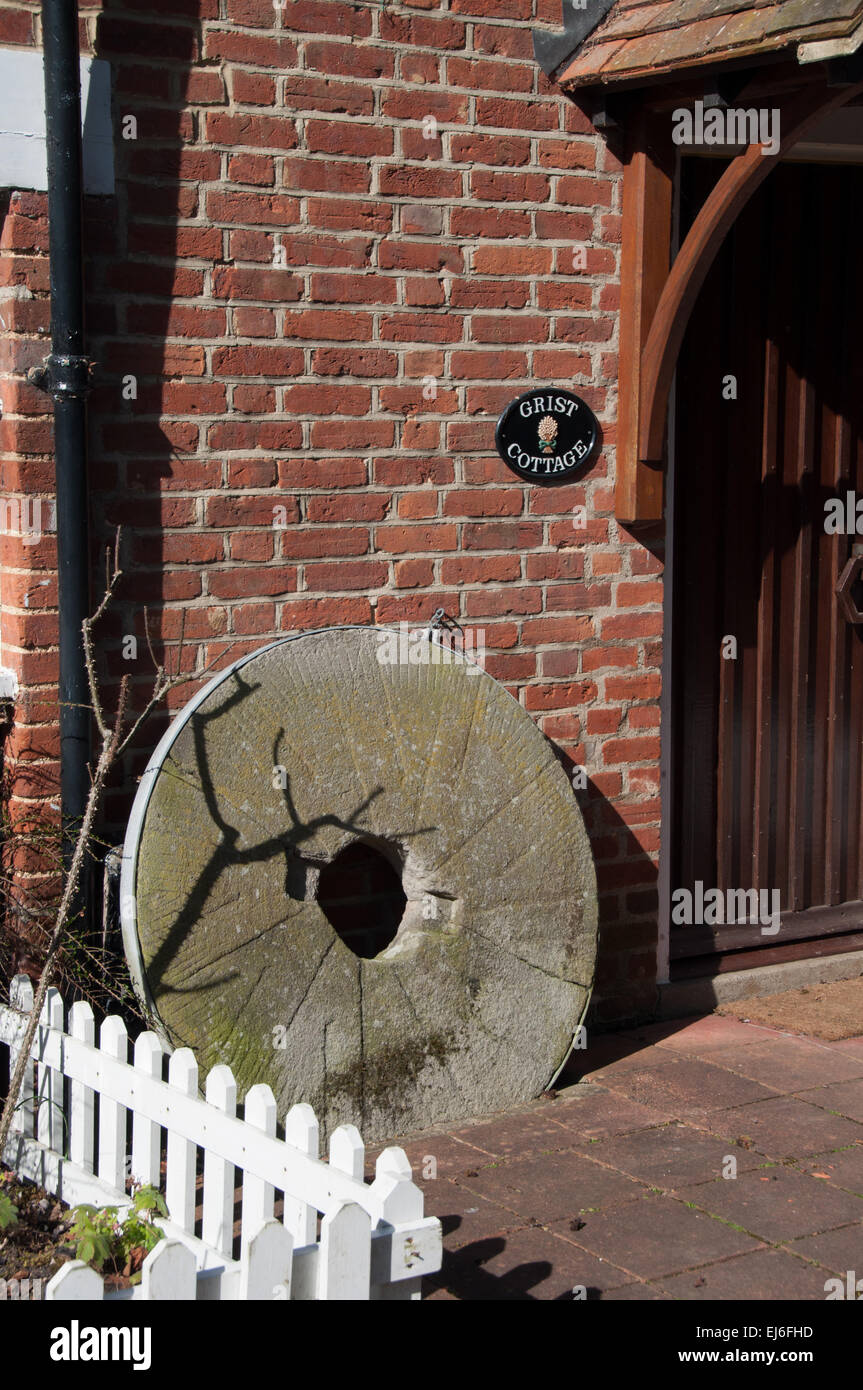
(65, 375)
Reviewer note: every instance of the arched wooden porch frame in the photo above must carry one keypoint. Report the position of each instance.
(656, 303)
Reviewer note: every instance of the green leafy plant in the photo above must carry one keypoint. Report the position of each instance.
(101, 1237)
(8, 1212)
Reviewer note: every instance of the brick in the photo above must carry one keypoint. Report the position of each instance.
(413, 574)
(516, 115)
(447, 107)
(544, 631)
(318, 324)
(258, 169)
(323, 473)
(474, 149)
(639, 687)
(629, 625)
(274, 51)
(422, 31)
(327, 400)
(365, 574)
(512, 260)
(349, 215)
(256, 209)
(479, 74)
(353, 289)
(349, 60)
(416, 181)
(489, 222)
(484, 569)
(495, 187)
(252, 88)
(630, 750)
(321, 542)
(326, 176)
(238, 283)
(485, 502)
(246, 581)
(319, 17)
(347, 138)
(397, 540)
(302, 614)
(350, 506)
(257, 361)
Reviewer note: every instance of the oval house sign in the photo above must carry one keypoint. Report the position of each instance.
(546, 436)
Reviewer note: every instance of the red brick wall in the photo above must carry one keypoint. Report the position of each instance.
(414, 249)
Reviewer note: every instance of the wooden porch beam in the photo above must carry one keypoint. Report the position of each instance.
(645, 254)
(668, 326)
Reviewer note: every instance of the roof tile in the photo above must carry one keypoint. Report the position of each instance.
(639, 20)
(641, 35)
(591, 61)
(800, 14)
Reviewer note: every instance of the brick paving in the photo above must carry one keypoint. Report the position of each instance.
(618, 1185)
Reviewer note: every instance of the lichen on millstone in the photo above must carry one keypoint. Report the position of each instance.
(293, 754)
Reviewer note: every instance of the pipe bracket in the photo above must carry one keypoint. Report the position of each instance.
(63, 376)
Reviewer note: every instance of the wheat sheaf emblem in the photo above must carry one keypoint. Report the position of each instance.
(547, 432)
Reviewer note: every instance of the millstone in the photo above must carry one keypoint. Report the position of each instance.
(305, 747)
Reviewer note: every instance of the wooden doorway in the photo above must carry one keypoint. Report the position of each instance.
(767, 743)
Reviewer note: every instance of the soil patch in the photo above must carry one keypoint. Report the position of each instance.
(830, 1011)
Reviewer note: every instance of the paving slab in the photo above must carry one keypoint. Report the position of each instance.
(758, 1275)
(659, 1235)
(838, 1251)
(465, 1216)
(843, 1167)
(450, 1155)
(776, 1203)
(785, 1127)
(631, 1293)
(788, 1064)
(533, 1131)
(702, 1036)
(684, 1085)
(842, 1098)
(550, 1187)
(530, 1263)
(601, 1112)
(671, 1156)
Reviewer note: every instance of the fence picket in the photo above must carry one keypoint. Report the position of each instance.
(114, 1041)
(76, 1282)
(302, 1132)
(180, 1177)
(21, 998)
(401, 1202)
(218, 1224)
(147, 1136)
(49, 1114)
(258, 1195)
(169, 1273)
(82, 1105)
(267, 1264)
(400, 1198)
(347, 1151)
(344, 1257)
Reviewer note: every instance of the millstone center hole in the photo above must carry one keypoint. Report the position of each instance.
(360, 893)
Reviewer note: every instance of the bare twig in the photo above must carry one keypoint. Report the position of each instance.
(114, 740)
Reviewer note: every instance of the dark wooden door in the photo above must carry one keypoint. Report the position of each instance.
(767, 759)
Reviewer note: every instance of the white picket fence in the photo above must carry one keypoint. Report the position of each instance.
(372, 1240)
